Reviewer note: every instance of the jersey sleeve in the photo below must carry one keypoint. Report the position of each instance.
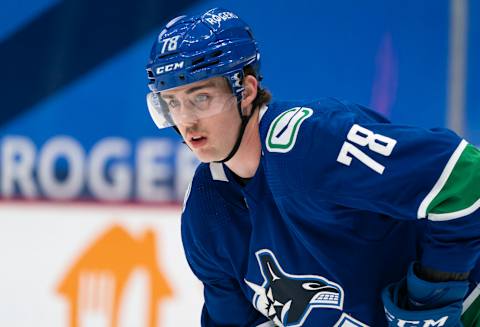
(357, 159)
(224, 302)
(224, 305)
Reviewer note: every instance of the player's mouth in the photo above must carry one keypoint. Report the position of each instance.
(197, 141)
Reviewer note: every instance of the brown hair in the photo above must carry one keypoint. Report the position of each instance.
(263, 95)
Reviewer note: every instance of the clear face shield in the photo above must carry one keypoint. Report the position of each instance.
(169, 108)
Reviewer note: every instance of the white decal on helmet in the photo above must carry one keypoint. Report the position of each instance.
(223, 16)
(170, 43)
(168, 68)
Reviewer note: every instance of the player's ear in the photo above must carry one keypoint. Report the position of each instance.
(250, 85)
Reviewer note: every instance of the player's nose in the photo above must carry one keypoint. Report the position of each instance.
(189, 120)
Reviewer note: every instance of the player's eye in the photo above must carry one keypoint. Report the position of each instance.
(202, 101)
(201, 98)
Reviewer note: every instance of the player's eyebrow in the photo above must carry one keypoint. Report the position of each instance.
(199, 87)
(167, 96)
(191, 90)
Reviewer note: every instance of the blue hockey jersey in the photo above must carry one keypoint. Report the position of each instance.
(341, 203)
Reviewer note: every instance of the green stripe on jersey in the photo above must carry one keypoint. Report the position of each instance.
(471, 316)
(460, 195)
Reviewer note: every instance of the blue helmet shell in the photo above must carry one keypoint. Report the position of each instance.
(191, 49)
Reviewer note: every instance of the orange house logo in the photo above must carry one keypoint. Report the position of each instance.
(96, 281)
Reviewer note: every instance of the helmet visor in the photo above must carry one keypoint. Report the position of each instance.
(168, 110)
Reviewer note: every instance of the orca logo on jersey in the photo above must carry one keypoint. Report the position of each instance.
(288, 299)
(283, 131)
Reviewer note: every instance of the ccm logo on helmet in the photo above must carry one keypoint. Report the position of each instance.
(223, 16)
(168, 68)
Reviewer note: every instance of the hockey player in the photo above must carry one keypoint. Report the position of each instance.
(317, 213)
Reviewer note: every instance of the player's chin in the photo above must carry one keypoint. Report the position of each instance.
(205, 156)
(208, 155)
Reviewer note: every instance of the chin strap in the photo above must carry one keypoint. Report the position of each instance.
(243, 125)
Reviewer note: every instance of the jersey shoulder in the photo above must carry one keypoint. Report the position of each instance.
(215, 223)
(210, 202)
(346, 151)
(290, 126)
(296, 135)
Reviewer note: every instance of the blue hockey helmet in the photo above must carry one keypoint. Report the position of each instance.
(194, 48)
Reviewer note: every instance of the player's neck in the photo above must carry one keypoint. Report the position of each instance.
(245, 162)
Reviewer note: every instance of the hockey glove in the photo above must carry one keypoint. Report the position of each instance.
(416, 302)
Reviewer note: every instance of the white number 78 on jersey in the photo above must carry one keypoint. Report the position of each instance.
(364, 137)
